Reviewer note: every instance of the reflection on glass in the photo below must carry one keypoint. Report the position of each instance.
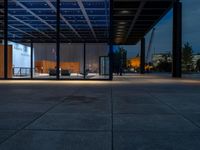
(71, 61)
(97, 62)
(1, 39)
(44, 60)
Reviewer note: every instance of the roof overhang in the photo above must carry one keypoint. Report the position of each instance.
(83, 20)
(132, 19)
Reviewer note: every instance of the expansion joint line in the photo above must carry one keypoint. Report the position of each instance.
(174, 109)
(112, 118)
(42, 114)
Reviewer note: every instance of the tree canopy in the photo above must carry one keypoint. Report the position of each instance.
(187, 56)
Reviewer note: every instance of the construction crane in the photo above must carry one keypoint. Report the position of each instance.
(148, 65)
(150, 45)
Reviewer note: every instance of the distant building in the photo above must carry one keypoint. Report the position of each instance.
(161, 57)
(195, 58)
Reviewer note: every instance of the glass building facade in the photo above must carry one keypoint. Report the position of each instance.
(73, 39)
(55, 39)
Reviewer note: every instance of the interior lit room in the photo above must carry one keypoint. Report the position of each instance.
(36, 50)
(74, 39)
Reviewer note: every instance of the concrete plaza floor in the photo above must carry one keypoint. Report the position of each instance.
(130, 113)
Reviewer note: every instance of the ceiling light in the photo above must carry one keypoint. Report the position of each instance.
(124, 12)
(122, 22)
(121, 27)
(120, 30)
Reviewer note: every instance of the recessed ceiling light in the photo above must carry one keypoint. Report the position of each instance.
(121, 27)
(122, 22)
(124, 12)
(120, 30)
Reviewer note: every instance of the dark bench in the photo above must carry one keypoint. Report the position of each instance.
(52, 72)
(65, 73)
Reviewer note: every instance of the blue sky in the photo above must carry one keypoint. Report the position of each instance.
(162, 41)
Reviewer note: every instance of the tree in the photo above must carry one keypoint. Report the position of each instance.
(120, 61)
(187, 57)
(164, 65)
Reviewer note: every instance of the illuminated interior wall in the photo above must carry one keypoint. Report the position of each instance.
(44, 59)
(1, 61)
(93, 53)
(72, 53)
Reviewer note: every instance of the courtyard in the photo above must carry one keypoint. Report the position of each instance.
(148, 112)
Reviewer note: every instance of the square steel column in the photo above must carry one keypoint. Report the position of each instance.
(84, 60)
(5, 39)
(31, 59)
(58, 41)
(177, 39)
(110, 61)
(142, 56)
(111, 54)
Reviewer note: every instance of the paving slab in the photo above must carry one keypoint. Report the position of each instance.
(77, 121)
(57, 140)
(134, 98)
(16, 120)
(184, 103)
(4, 134)
(150, 112)
(156, 141)
(136, 122)
(194, 117)
(24, 107)
(94, 106)
(123, 108)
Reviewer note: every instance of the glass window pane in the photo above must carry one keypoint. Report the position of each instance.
(97, 61)
(1, 39)
(44, 60)
(71, 60)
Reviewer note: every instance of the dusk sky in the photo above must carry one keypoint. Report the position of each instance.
(162, 41)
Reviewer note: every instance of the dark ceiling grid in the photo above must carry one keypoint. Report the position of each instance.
(62, 17)
(1, 20)
(80, 3)
(83, 20)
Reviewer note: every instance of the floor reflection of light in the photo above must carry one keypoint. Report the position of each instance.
(129, 79)
(52, 82)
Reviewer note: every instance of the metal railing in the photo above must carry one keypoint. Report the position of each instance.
(21, 71)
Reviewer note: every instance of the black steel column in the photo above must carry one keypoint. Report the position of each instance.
(111, 61)
(177, 39)
(5, 39)
(142, 56)
(84, 60)
(31, 59)
(58, 41)
(111, 43)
